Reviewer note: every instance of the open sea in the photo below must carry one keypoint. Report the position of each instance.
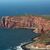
(10, 38)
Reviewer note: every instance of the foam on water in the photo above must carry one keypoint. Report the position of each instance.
(19, 48)
(15, 48)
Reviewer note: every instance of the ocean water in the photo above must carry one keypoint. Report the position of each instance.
(10, 38)
(13, 37)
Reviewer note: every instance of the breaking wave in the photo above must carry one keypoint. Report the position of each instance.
(15, 48)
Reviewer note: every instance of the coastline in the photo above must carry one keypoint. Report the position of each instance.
(29, 46)
(36, 23)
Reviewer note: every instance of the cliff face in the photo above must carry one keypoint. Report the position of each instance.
(43, 25)
(37, 24)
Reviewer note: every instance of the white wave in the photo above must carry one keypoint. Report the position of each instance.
(16, 48)
(19, 48)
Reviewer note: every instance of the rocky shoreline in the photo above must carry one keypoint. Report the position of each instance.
(36, 23)
(35, 46)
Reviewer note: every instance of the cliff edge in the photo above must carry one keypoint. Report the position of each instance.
(37, 23)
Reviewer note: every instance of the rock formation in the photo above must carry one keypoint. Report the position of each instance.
(36, 23)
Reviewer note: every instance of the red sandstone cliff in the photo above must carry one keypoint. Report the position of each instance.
(40, 24)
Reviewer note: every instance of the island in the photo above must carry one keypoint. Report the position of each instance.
(38, 24)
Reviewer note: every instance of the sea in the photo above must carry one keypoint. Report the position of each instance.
(10, 38)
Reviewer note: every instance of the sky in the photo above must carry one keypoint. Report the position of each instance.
(24, 2)
(4, 1)
(11, 6)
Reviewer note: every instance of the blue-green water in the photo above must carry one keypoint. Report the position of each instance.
(13, 37)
